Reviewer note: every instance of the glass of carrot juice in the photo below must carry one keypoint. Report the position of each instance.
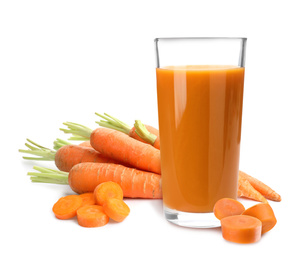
(200, 85)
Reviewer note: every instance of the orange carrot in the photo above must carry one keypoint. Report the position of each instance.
(241, 229)
(67, 155)
(85, 177)
(88, 198)
(227, 207)
(265, 190)
(264, 213)
(245, 189)
(116, 124)
(66, 207)
(92, 216)
(116, 209)
(117, 145)
(107, 190)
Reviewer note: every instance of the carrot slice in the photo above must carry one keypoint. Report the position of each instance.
(92, 216)
(116, 209)
(264, 213)
(88, 198)
(241, 229)
(227, 207)
(66, 207)
(106, 190)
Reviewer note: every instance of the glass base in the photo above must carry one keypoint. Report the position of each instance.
(193, 220)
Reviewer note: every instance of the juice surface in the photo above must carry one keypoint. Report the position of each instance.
(200, 110)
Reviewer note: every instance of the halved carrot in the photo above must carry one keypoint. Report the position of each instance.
(92, 216)
(107, 190)
(88, 198)
(264, 213)
(241, 229)
(116, 209)
(227, 207)
(66, 207)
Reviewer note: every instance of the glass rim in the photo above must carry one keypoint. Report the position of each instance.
(200, 38)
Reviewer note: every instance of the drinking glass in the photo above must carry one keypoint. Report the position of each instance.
(200, 85)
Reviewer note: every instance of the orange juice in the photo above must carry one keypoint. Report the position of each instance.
(199, 110)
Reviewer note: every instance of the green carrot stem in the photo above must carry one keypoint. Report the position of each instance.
(78, 131)
(113, 123)
(42, 153)
(58, 143)
(143, 132)
(47, 175)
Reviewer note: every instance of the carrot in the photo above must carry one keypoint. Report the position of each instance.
(92, 216)
(241, 229)
(85, 177)
(88, 198)
(116, 209)
(227, 207)
(265, 190)
(245, 189)
(107, 190)
(264, 213)
(146, 135)
(117, 145)
(116, 124)
(66, 207)
(67, 155)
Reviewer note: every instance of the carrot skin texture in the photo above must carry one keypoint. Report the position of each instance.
(85, 177)
(241, 229)
(119, 146)
(66, 207)
(227, 207)
(264, 213)
(69, 155)
(264, 189)
(92, 216)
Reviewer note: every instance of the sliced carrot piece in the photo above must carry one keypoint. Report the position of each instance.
(92, 216)
(227, 207)
(66, 207)
(116, 209)
(107, 190)
(264, 213)
(241, 229)
(88, 198)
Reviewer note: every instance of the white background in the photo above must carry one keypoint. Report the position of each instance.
(65, 60)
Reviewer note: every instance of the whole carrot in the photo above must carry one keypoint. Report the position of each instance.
(66, 156)
(85, 177)
(245, 189)
(264, 189)
(119, 146)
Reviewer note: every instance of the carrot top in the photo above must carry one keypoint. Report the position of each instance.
(78, 131)
(143, 132)
(42, 153)
(113, 123)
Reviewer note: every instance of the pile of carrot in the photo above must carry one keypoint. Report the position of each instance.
(93, 209)
(242, 225)
(117, 152)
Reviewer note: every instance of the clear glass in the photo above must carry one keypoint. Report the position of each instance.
(200, 85)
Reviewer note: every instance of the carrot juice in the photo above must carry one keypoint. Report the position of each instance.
(200, 111)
